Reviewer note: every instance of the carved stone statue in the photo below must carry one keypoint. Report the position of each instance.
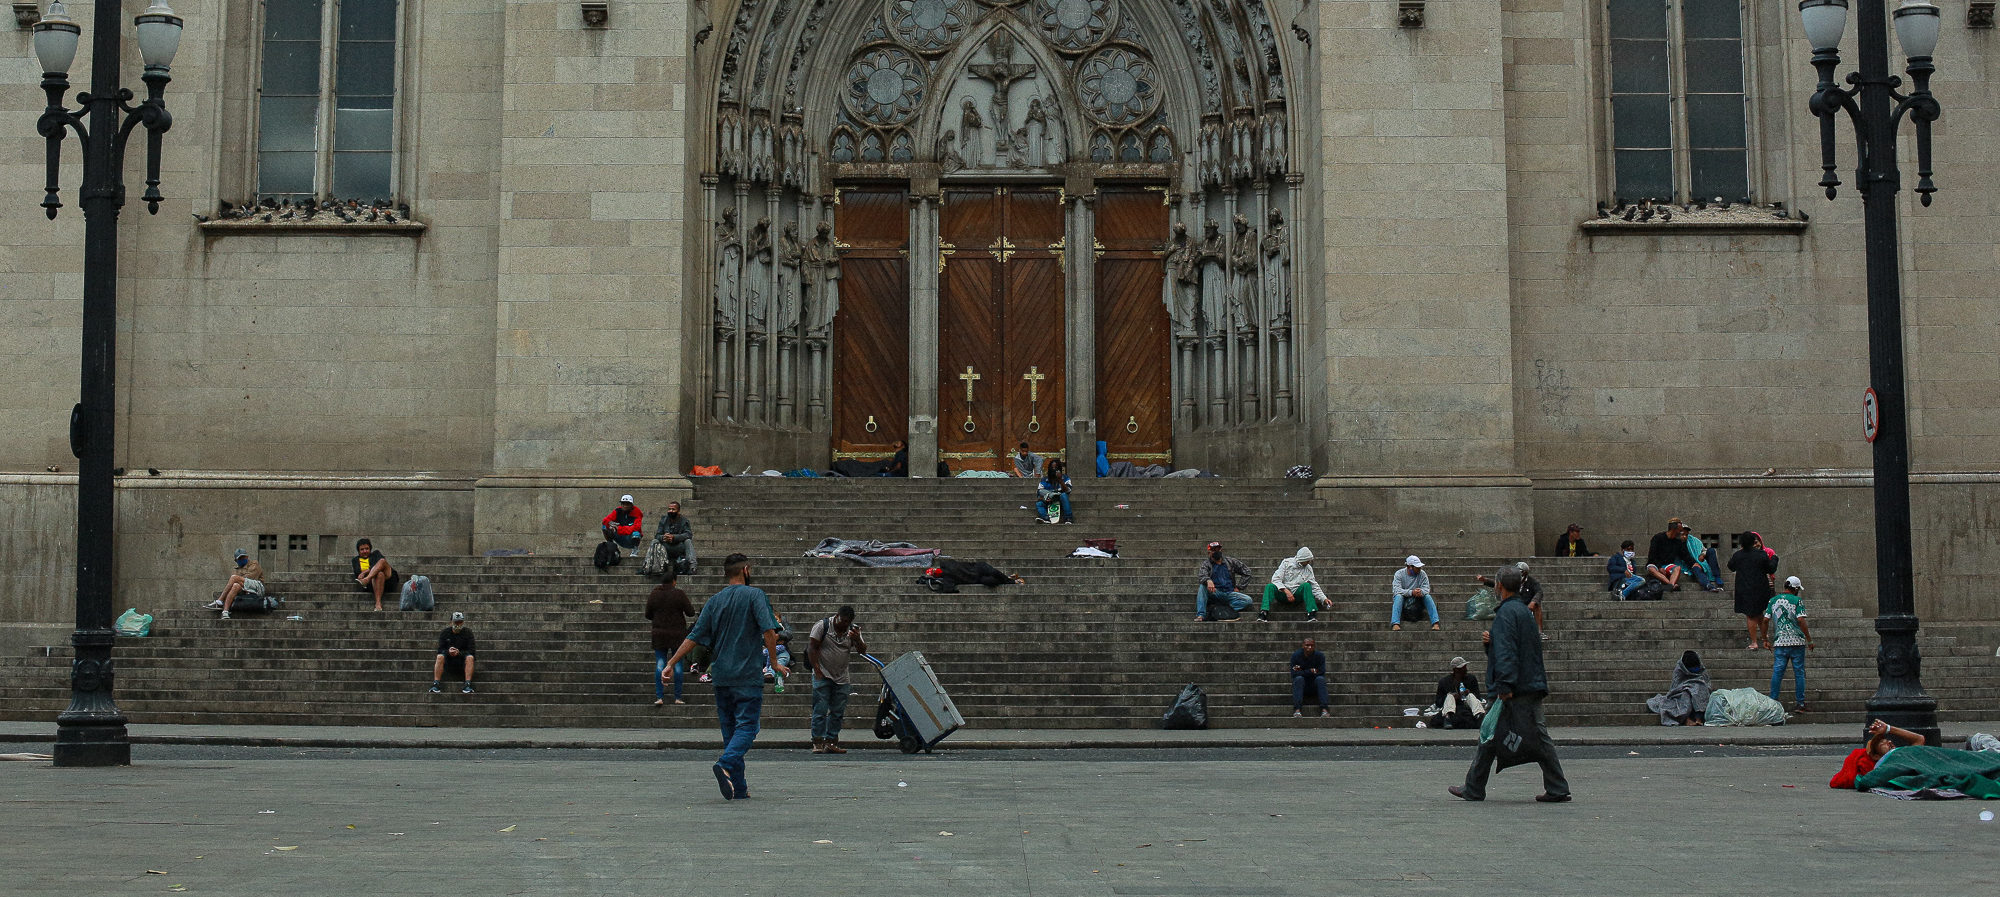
(1243, 285)
(759, 254)
(791, 256)
(1182, 285)
(1035, 135)
(948, 158)
(972, 128)
(822, 263)
(728, 270)
(1277, 273)
(1211, 257)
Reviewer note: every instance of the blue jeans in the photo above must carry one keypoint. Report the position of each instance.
(1795, 655)
(660, 673)
(1300, 681)
(829, 707)
(737, 708)
(1042, 507)
(1700, 570)
(630, 540)
(1396, 611)
(1238, 601)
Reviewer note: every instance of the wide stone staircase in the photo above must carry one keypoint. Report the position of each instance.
(1085, 643)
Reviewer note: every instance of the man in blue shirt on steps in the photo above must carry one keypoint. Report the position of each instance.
(738, 627)
(1219, 575)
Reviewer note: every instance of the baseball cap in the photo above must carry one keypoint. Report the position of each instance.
(242, 553)
(1794, 582)
(625, 498)
(458, 616)
(1214, 545)
(1413, 561)
(1521, 566)
(1458, 663)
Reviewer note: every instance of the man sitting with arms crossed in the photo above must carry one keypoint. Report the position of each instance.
(1218, 577)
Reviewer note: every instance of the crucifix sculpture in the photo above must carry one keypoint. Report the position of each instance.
(970, 376)
(1034, 376)
(1002, 72)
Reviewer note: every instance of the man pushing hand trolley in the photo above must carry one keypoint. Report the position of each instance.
(914, 709)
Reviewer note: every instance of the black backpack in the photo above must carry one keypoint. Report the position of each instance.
(607, 555)
(1650, 590)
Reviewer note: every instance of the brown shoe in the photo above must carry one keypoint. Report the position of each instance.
(833, 747)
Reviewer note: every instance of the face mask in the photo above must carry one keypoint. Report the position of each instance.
(1631, 554)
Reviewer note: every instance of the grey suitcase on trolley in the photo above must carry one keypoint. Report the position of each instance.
(929, 709)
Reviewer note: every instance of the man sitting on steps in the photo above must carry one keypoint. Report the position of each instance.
(1308, 677)
(625, 525)
(1294, 580)
(678, 535)
(454, 652)
(1667, 557)
(1217, 580)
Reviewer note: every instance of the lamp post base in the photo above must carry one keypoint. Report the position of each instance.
(94, 743)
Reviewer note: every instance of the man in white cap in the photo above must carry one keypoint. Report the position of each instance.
(454, 651)
(625, 525)
(1412, 584)
(1294, 582)
(1790, 637)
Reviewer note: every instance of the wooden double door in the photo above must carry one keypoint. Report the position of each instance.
(1003, 336)
(1001, 332)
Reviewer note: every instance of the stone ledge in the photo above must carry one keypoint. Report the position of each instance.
(1848, 479)
(317, 228)
(1614, 227)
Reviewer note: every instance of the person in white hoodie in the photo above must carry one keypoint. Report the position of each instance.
(1294, 582)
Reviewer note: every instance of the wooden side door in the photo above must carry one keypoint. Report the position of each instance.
(871, 357)
(1134, 349)
(1033, 317)
(971, 412)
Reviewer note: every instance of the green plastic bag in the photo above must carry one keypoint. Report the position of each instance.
(133, 624)
(1492, 720)
(1482, 604)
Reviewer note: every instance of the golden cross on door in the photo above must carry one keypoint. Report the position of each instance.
(969, 376)
(1034, 376)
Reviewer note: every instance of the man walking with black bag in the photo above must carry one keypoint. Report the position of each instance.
(1516, 678)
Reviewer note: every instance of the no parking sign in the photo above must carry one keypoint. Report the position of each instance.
(1871, 415)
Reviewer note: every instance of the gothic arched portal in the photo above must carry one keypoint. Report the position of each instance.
(970, 223)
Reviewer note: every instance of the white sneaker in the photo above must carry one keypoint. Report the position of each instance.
(225, 615)
(214, 605)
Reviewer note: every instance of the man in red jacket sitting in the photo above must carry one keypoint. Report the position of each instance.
(625, 525)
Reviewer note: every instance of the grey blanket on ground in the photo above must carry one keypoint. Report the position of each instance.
(871, 553)
(1688, 695)
(1126, 469)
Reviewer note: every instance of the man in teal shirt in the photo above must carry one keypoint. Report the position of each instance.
(734, 625)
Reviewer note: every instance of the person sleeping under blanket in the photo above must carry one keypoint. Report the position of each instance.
(965, 573)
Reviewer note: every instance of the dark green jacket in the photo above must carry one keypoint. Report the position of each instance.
(1514, 657)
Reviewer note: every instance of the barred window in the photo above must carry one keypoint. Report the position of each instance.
(1679, 128)
(326, 107)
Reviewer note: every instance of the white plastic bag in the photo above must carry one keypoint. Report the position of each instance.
(1743, 707)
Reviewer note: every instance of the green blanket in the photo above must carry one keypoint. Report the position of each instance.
(1977, 773)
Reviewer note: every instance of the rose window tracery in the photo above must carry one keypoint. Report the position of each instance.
(1074, 25)
(884, 86)
(1117, 86)
(928, 26)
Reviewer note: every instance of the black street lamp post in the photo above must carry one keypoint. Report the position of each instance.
(92, 731)
(1877, 109)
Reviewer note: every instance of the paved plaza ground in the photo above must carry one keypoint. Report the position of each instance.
(1720, 815)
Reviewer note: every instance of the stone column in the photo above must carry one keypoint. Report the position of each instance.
(1080, 311)
(923, 279)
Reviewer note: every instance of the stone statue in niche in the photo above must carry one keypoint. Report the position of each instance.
(822, 264)
(1182, 285)
(1035, 134)
(1277, 273)
(1243, 264)
(791, 258)
(728, 271)
(972, 128)
(1211, 257)
(759, 254)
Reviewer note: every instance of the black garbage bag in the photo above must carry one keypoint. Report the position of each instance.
(1190, 710)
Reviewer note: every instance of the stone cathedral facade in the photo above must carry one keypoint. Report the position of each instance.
(453, 274)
